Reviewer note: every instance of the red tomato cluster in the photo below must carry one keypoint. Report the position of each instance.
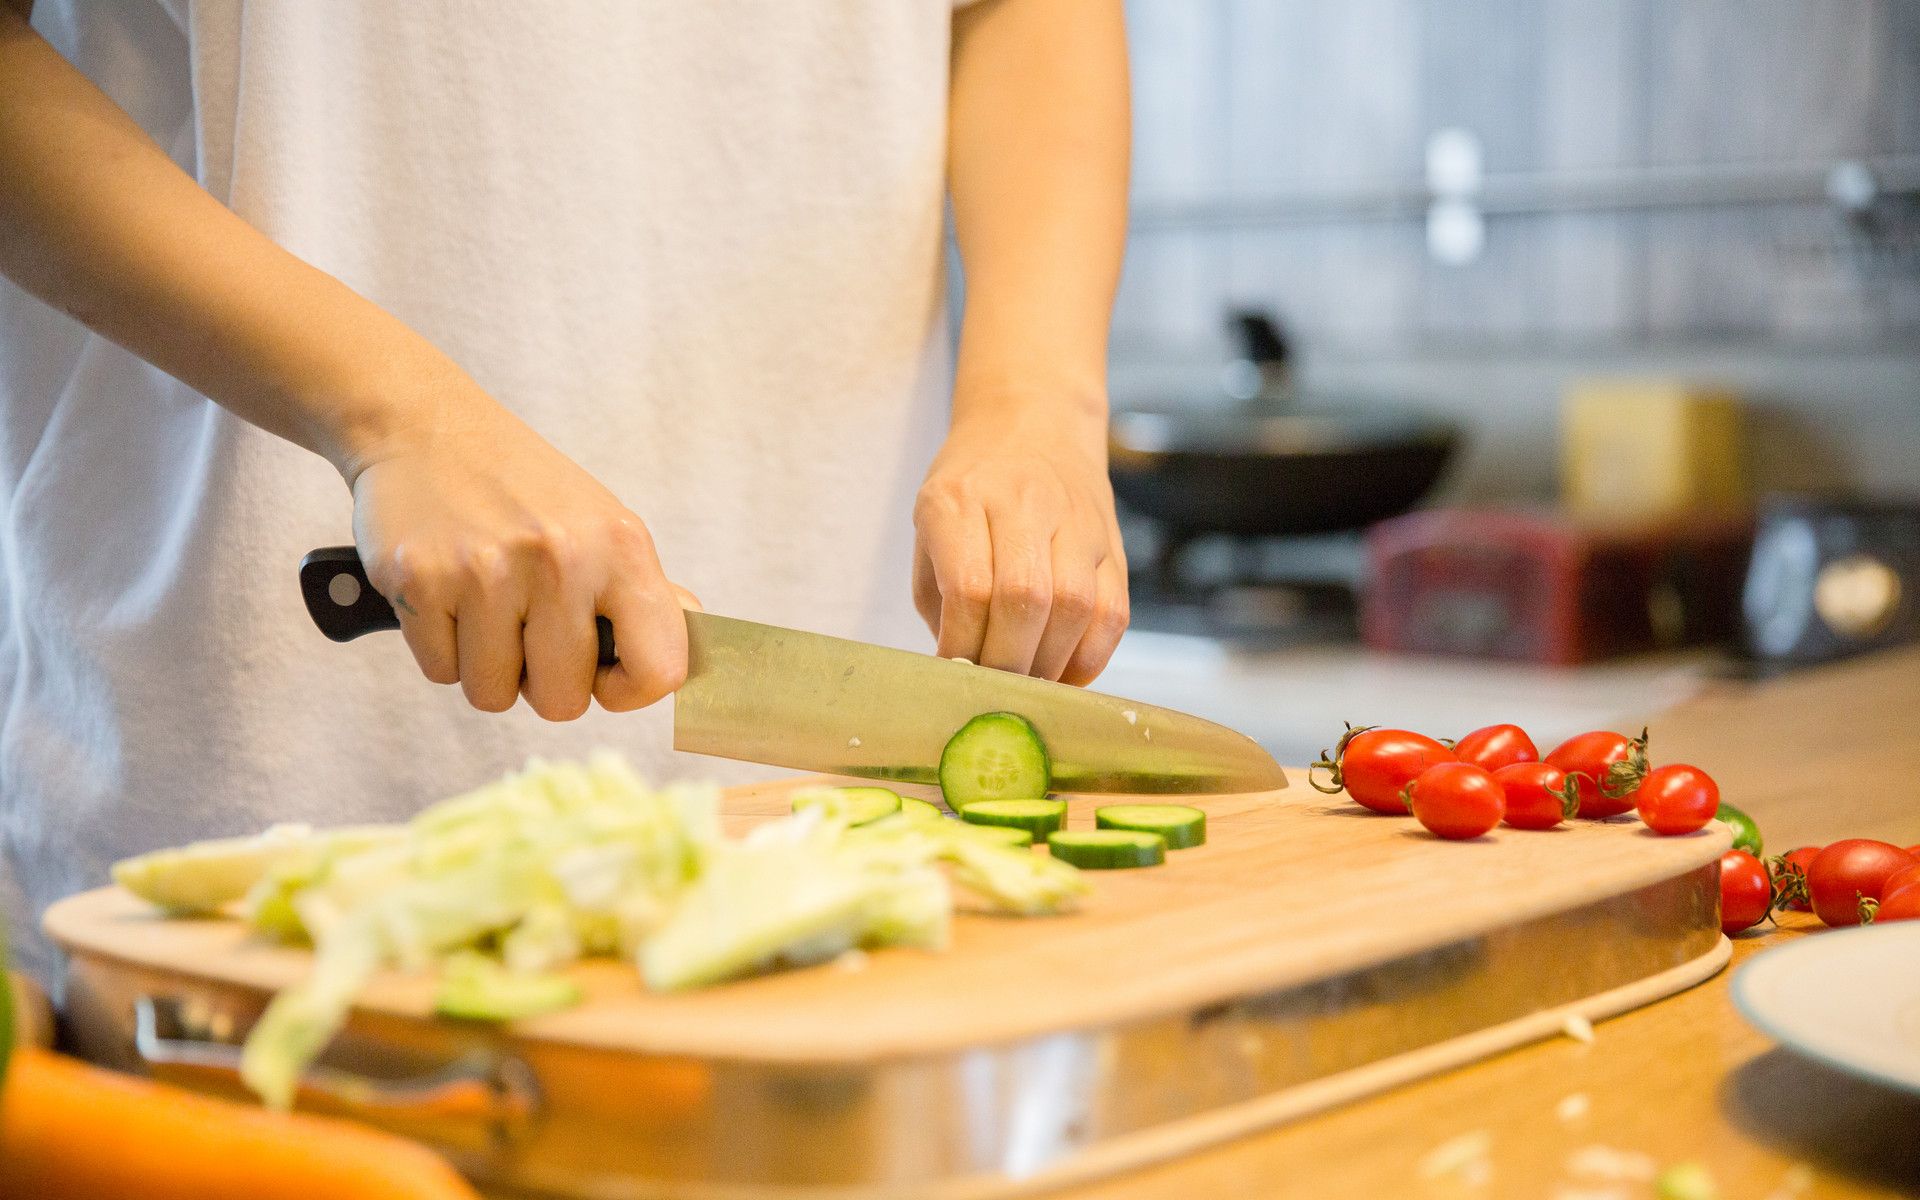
(1463, 789)
(1851, 882)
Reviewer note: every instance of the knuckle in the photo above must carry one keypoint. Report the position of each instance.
(939, 501)
(488, 568)
(973, 590)
(628, 536)
(407, 570)
(1111, 621)
(1024, 591)
(558, 552)
(1075, 602)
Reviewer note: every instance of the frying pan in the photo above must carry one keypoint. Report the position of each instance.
(1273, 463)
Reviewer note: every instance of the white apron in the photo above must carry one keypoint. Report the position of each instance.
(695, 245)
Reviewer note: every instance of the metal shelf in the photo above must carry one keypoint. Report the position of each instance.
(1851, 185)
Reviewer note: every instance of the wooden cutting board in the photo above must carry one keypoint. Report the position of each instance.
(1294, 891)
(1291, 886)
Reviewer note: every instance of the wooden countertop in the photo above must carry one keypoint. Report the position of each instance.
(1681, 1080)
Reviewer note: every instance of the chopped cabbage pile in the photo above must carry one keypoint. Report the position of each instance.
(497, 889)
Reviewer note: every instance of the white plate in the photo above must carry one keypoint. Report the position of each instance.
(1848, 997)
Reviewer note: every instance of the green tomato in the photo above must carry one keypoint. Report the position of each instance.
(1746, 835)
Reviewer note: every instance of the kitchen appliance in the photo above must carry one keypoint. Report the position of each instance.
(1832, 578)
(1307, 954)
(1253, 456)
(816, 703)
(1550, 588)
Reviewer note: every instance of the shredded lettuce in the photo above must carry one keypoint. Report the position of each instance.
(474, 987)
(204, 877)
(497, 889)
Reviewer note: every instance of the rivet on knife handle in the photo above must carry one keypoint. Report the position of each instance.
(344, 605)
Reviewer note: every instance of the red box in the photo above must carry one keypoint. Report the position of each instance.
(1550, 588)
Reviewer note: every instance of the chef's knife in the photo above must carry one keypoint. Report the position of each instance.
(816, 703)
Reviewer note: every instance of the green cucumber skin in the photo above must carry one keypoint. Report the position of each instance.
(1108, 849)
(1181, 826)
(1746, 834)
(1038, 817)
(1006, 732)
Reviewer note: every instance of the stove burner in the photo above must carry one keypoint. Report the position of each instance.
(1266, 591)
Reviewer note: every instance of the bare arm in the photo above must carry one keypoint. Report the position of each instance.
(101, 224)
(1020, 564)
(497, 550)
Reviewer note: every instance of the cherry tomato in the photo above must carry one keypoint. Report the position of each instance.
(1496, 746)
(1539, 795)
(1609, 767)
(1902, 904)
(1677, 799)
(1376, 765)
(1746, 894)
(1790, 878)
(1457, 800)
(1914, 849)
(1905, 877)
(1848, 871)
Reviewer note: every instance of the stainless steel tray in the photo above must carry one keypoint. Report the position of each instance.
(546, 1119)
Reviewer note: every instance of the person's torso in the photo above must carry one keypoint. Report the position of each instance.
(697, 246)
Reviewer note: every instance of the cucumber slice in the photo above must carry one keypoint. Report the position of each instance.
(859, 805)
(1011, 835)
(920, 810)
(1180, 825)
(995, 756)
(1037, 817)
(1108, 849)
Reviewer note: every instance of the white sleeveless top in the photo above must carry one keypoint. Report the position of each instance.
(695, 245)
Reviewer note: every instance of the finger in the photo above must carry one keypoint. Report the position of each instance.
(1076, 588)
(420, 593)
(429, 634)
(562, 650)
(1104, 629)
(487, 635)
(926, 588)
(1022, 593)
(650, 636)
(960, 555)
(649, 626)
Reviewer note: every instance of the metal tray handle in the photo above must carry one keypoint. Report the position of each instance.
(492, 1094)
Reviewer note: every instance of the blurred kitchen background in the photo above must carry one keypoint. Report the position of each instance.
(1606, 289)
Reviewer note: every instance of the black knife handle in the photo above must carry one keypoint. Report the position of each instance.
(343, 603)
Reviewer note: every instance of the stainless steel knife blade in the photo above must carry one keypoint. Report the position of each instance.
(791, 699)
(765, 694)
